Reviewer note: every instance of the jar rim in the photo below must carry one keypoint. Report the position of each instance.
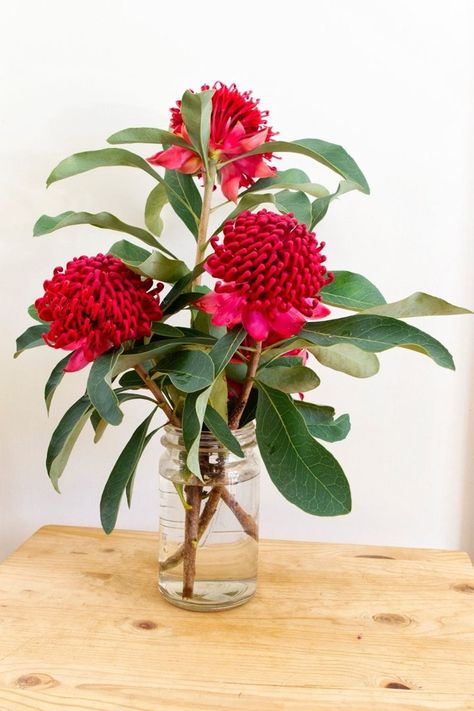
(246, 429)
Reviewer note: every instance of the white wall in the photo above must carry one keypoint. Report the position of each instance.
(390, 81)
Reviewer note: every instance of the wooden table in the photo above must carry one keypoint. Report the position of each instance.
(83, 628)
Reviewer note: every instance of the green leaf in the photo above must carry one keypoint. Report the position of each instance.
(196, 403)
(189, 371)
(193, 417)
(150, 264)
(418, 304)
(293, 379)
(124, 468)
(319, 420)
(375, 334)
(157, 348)
(147, 135)
(64, 438)
(225, 347)
(220, 429)
(31, 338)
(131, 379)
(299, 466)
(104, 220)
(54, 379)
(329, 154)
(156, 200)
(296, 202)
(184, 198)
(165, 330)
(98, 422)
(131, 481)
(196, 111)
(292, 179)
(104, 158)
(219, 396)
(352, 291)
(33, 312)
(347, 358)
(99, 387)
(320, 206)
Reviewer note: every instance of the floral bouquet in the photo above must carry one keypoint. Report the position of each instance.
(240, 366)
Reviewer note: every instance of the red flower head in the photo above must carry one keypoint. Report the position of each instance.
(96, 303)
(237, 126)
(270, 271)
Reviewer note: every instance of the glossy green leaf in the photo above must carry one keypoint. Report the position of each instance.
(320, 207)
(147, 135)
(189, 371)
(99, 388)
(418, 304)
(220, 429)
(184, 198)
(296, 202)
(293, 179)
(299, 466)
(123, 469)
(375, 334)
(329, 154)
(149, 264)
(348, 359)
(351, 291)
(54, 379)
(64, 438)
(156, 201)
(31, 338)
(196, 109)
(319, 420)
(103, 158)
(293, 379)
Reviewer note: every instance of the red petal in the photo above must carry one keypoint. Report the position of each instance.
(230, 181)
(256, 324)
(173, 158)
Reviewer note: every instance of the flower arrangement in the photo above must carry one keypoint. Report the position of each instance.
(244, 355)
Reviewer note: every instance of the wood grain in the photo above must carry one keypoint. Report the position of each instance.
(83, 628)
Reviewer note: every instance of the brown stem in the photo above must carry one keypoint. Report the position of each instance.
(191, 525)
(204, 219)
(208, 512)
(246, 387)
(160, 398)
(247, 521)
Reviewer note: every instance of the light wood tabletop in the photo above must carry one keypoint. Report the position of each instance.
(83, 628)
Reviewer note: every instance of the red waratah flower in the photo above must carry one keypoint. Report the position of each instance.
(270, 271)
(237, 126)
(96, 303)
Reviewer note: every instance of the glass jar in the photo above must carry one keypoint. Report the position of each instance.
(208, 529)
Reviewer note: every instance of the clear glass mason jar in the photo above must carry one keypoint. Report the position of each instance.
(208, 529)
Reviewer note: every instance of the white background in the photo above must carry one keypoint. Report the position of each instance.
(392, 82)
